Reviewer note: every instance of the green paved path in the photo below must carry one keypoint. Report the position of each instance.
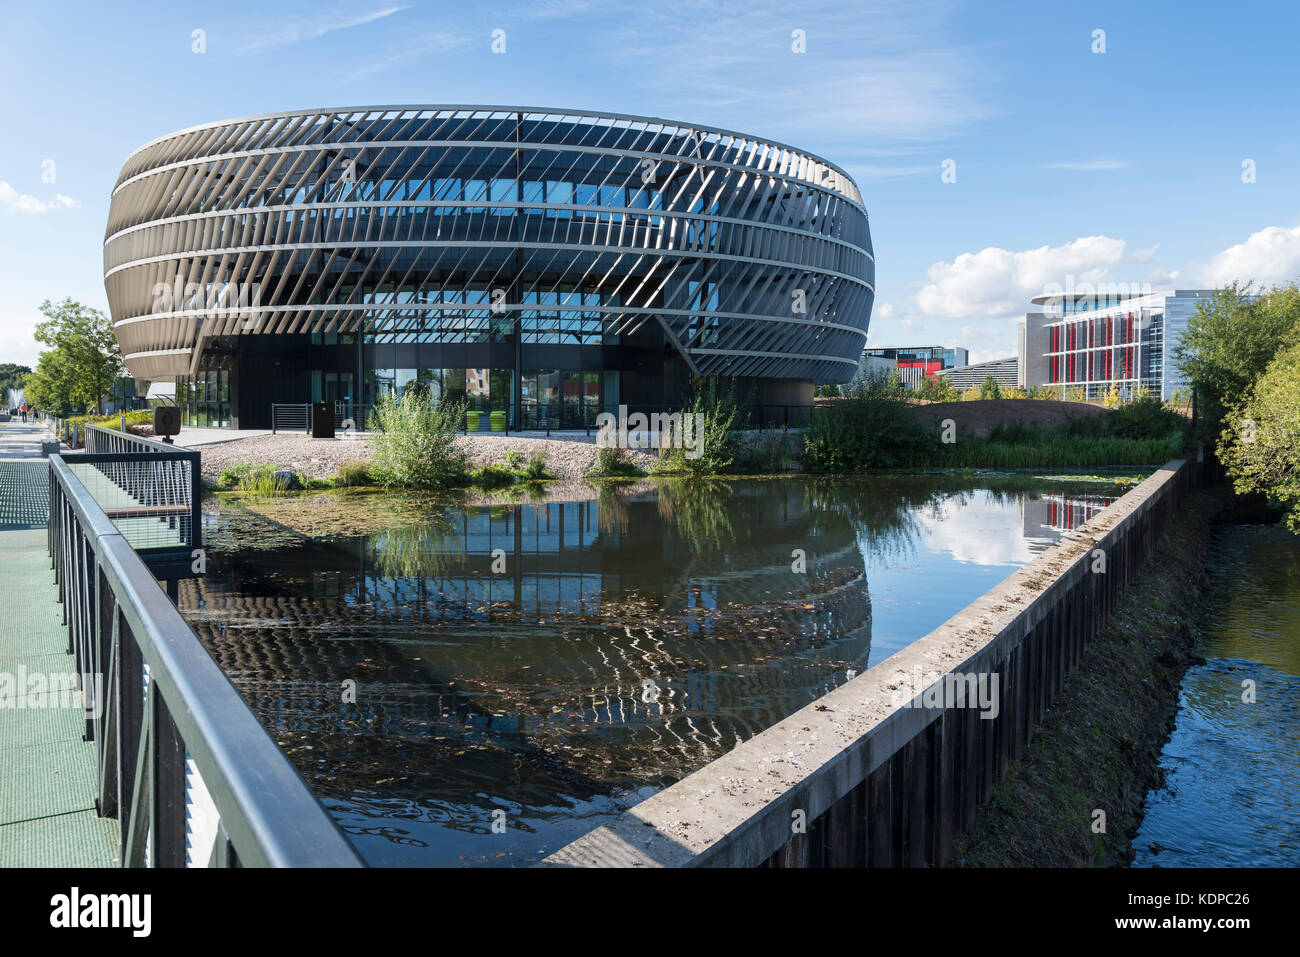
(47, 776)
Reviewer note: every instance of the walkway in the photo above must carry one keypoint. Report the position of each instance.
(47, 777)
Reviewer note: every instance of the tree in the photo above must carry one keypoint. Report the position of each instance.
(1260, 444)
(1231, 340)
(990, 388)
(84, 360)
(939, 388)
(11, 377)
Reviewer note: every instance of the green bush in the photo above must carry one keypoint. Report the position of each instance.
(866, 432)
(717, 411)
(414, 442)
(492, 476)
(1145, 418)
(612, 462)
(534, 470)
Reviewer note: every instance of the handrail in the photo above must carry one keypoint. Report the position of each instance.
(125, 631)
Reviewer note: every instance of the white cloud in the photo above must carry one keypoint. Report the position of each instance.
(998, 282)
(299, 29)
(874, 73)
(15, 202)
(1269, 256)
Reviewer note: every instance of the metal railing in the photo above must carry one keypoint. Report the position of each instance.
(150, 490)
(171, 734)
(291, 415)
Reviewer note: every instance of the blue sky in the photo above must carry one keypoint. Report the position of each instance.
(1122, 166)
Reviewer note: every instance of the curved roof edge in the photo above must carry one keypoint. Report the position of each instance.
(499, 108)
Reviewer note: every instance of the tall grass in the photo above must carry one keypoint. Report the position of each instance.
(256, 479)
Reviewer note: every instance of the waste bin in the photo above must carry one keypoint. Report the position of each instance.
(322, 420)
(498, 420)
(471, 421)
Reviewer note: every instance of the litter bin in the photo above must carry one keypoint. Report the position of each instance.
(322, 420)
(498, 420)
(471, 421)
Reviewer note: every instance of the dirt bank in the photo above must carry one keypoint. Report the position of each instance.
(976, 418)
(1099, 746)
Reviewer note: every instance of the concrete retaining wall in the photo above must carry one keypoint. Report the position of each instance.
(869, 775)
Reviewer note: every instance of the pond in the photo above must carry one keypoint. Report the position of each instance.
(1231, 792)
(469, 684)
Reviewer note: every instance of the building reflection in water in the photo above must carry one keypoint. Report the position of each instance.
(556, 661)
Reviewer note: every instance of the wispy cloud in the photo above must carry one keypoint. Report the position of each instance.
(1090, 166)
(874, 73)
(13, 201)
(299, 29)
(410, 52)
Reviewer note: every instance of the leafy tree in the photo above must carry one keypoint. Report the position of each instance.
(990, 388)
(1231, 340)
(11, 377)
(938, 388)
(1260, 444)
(83, 362)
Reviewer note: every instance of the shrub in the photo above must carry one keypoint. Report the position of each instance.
(353, 472)
(612, 462)
(718, 413)
(514, 460)
(492, 476)
(414, 445)
(1145, 418)
(989, 388)
(534, 469)
(868, 432)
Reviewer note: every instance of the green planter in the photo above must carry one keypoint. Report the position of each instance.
(498, 421)
(471, 421)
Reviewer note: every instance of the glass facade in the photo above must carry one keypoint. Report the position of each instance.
(205, 399)
(536, 264)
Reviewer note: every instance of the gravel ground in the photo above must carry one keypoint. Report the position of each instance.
(567, 458)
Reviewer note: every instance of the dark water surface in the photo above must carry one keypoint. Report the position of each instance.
(1232, 767)
(546, 666)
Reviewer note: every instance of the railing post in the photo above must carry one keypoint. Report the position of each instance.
(168, 818)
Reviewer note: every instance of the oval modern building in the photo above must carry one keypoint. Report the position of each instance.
(547, 264)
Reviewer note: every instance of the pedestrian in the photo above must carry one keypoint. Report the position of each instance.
(23, 410)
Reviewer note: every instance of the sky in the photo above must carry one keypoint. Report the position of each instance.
(1002, 148)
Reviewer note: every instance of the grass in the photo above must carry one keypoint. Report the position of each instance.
(613, 463)
(259, 479)
(861, 433)
(1099, 744)
(353, 473)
